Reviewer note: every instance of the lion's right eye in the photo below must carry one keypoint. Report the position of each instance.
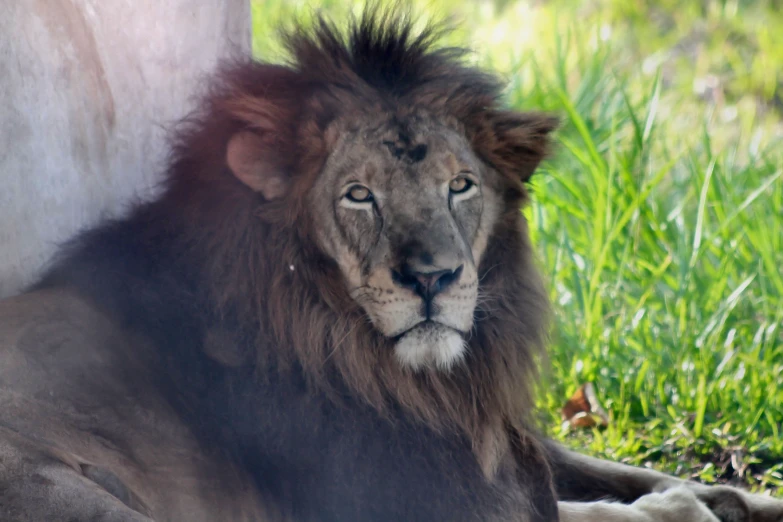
(359, 194)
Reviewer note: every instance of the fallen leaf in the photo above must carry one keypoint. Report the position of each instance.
(583, 410)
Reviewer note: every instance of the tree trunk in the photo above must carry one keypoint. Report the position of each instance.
(87, 89)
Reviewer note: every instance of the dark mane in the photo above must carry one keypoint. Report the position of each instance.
(384, 52)
(213, 267)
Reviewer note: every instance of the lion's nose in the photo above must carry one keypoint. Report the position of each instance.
(426, 284)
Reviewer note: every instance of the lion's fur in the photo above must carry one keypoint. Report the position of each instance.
(259, 261)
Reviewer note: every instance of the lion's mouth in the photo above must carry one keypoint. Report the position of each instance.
(430, 344)
(425, 323)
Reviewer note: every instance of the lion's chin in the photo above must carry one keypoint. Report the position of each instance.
(430, 345)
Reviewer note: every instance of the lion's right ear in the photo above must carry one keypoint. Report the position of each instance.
(249, 156)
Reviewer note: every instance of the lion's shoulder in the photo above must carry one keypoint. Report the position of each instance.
(77, 402)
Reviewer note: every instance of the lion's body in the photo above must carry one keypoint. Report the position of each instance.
(78, 394)
(330, 314)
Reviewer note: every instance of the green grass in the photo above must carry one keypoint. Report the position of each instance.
(659, 220)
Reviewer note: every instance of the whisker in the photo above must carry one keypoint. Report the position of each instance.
(342, 340)
(487, 271)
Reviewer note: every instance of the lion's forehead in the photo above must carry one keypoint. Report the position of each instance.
(403, 159)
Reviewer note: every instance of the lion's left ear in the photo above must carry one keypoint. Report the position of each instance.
(515, 142)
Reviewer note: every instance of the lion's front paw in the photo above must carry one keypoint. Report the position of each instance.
(678, 504)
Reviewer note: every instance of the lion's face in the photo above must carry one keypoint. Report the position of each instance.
(405, 209)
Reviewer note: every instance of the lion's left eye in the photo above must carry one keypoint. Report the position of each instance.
(460, 185)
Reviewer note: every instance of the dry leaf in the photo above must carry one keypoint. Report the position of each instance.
(583, 409)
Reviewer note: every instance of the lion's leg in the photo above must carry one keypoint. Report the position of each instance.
(581, 478)
(674, 505)
(36, 485)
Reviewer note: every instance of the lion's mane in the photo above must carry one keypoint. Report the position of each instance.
(243, 278)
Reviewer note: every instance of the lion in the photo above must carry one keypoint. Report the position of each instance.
(331, 313)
